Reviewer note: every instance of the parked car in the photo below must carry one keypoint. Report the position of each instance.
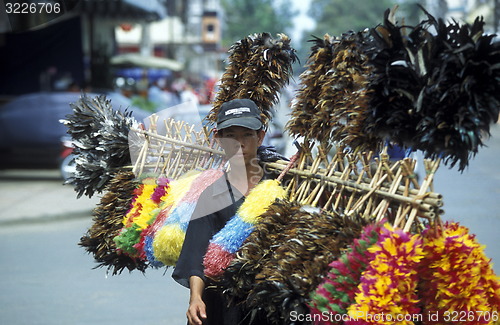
(30, 131)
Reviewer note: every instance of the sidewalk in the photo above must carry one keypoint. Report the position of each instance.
(39, 195)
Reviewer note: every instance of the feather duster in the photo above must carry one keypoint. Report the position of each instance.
(143, 205)
(168, 240)
(259, 66)
(107, 223)
(140, 216)
(304, 106)
(285, 258)
(456, 277)
(388, 286)
(239, 55)
(338, 288)
(177, 189)
(268, 70)
(144, 245)
(229, 239)
(344, 98)
(395, 86)
(100, 136)
(462, 98)
(239, 277)
(160, 193)
(148, 234)
(434, 87)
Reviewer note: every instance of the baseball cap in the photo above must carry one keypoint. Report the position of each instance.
(239, 112)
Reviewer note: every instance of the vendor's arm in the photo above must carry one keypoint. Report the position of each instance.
(196, 311)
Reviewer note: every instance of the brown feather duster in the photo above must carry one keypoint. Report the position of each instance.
(311, 81)
(259, 67)
(285, 258)
(240, 275)
(239, 54)
(108, 217)
(344, 98)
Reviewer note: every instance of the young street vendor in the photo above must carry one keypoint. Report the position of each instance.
(240, 132)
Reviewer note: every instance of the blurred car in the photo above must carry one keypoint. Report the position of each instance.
(30, 131)
(189, 112)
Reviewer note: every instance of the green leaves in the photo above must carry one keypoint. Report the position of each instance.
(244, 17)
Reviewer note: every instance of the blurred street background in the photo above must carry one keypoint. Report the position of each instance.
(148, 55)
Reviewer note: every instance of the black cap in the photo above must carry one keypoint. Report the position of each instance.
(239, 112)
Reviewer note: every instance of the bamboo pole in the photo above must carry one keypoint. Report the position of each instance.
(346, 172)
(335, 181)
(399, 217)
(315, 195)
(384, 204)
(358, 181)
(330, 169)
(135, 169)
(180, 143)
(431, 198)
(426, 183)
(367, 195)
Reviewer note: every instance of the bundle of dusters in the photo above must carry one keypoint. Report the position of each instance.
(168, 240)
(224, 245)
(285, 258)
(429, 278)
(147, 227)
(108, 222)
(431, 87)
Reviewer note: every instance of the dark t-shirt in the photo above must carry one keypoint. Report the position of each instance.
(215, 207)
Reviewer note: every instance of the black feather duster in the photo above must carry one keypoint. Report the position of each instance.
(462, 96)
(395, 86)
(435, 87)
(100, 136)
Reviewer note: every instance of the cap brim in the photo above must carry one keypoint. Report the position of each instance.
(251, 123)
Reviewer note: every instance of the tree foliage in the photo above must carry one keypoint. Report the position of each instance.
(245, 17)
(335, 17)
(338, 16)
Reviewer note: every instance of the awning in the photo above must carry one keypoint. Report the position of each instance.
(138, 60)
(141, 10)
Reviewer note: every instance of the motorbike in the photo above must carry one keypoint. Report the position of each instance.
(67, 158)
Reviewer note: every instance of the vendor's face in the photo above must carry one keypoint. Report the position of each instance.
(240, 143)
